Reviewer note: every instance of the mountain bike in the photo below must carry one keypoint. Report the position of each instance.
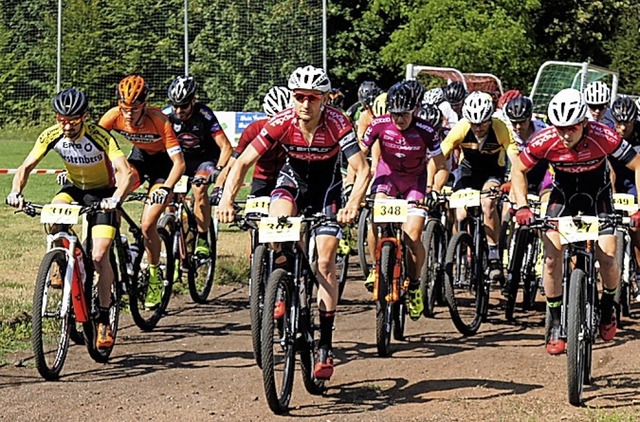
(624, 204)
(65, 293)
(467, 281)
(392, 283)
(525, 247)
(296, 330)
(135, 268)
(180, 222)
(435, 237)
(580, 309)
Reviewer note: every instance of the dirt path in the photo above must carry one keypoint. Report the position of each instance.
(198, 365)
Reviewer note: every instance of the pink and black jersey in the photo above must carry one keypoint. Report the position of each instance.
(403, 153)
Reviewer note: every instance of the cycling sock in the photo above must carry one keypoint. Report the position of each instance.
(606, 304)
(414, 284)
(203, 235)
(103, 317)
(153, 270)
(326, 328)
(555, 307)
(493, 251)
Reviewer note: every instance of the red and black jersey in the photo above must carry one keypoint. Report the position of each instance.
(313, 160)
(271, 161)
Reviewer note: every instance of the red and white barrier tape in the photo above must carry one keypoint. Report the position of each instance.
(36, 171)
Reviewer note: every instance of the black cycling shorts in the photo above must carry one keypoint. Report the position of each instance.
(153, 168)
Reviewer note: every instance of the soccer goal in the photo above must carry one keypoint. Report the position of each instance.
(554, 76)
(432, 77)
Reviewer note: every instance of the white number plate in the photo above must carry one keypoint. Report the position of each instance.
(571, 231)
(270, 230)
(390, 210)
(258, 205)
(60, 214)
(181, 186)
(624, 202)
(465, 198)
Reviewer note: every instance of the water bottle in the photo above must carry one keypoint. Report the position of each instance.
(128, 257)
(133, 254)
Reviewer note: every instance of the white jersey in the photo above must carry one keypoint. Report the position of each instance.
(450, 116)
(538, 125)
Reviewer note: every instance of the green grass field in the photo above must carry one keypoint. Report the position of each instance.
(22, 242)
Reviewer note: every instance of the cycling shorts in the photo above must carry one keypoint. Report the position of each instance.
(260, 187)
(466, 179)
(568, 201)
(411, 188)
(150, 167)
(104, 223)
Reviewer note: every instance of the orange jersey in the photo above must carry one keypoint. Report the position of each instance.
(152, 135)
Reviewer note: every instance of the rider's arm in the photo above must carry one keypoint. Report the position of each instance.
(359, 164)
(172, 146)
(237, 173)
(22, 175)
(455, 137)
(634, 165)
(437, 172)
(124, 176)
(225, 148)
(519, 182)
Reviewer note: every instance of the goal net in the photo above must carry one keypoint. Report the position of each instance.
(432, 77)
(554, 76)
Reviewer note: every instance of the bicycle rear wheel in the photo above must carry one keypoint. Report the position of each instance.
(50, 331)
(384, 320)
(308, 344)
(202, 269)
(278, 342)
(364, 222)
(463, 286)
(342, 270)
(431, 277)
(577, 337)
(531, 281)
(518, 247)
(144, 318)
(259, 277)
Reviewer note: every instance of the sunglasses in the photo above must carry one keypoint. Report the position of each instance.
(483, 124)
(312, 98)
(65, 121)
(182, 106)
(570, 129)
(130, 109)
(598, 106)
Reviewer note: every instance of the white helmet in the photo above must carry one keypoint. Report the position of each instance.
(567, 108)
(310, 77)
(277, 99)
(433, 96)
(597, 93)
(478, 107)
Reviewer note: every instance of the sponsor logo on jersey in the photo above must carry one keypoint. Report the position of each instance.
(143, 138)
(189, 140)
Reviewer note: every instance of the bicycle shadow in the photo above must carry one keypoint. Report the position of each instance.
(381, 393)
(622, 390)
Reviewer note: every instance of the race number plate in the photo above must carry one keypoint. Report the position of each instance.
(579, 230)
(60, 214)
(257, 205)
(390, 210)
(625, 202)
(270, 230)
(181, 186)
(465, 198)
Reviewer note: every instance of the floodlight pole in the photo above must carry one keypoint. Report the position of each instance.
(59, 57)
(186, 37)
(324, 35)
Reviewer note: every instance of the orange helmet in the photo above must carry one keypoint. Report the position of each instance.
(132, 90)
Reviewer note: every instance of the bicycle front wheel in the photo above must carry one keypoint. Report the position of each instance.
(259, 276)
(147, 317)
(50, 331)
(384, 321)
(202, 269)
(577, 336)
(278, 342)
(518, 245)
(431, 282)
(364, 222)
(463, 285)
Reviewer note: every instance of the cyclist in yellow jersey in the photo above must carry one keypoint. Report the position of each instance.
(485, 142)
(95, 166)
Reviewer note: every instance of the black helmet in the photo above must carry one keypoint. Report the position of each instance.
(624, 110)
(418, 89)
(519, 109)
(365, 92)
(336, 98)
(182, 90)
(401, 98)
(432, 114)
(455, 92)
(70, 102)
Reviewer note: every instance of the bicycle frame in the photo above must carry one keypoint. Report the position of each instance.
(391, 232)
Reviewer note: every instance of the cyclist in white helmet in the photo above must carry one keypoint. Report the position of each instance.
(577, 149)
(485, 142)
(597, 95)
(313, 136)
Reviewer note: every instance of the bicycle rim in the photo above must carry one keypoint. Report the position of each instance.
(202, 270)
(463, 287)
(576, 336)
(50, 332)
(363, 253)
(308, 342)
(259, 273)
(431, 275)
(278, 351)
